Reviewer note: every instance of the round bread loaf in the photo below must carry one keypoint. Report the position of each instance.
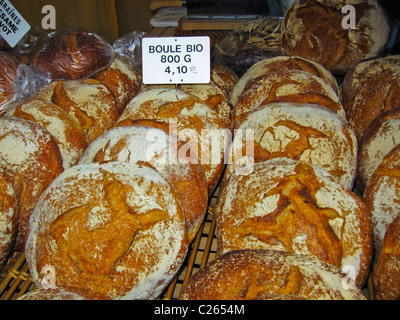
(268, 275)
(282, 63)
(296, 207)
(50, 294)
(326, 38)
(382, 194)
(356, 77)
(32, 159)
(287, 86)
(212, 94)
(386, 272)
(381, 136)
(372, 88)
(190, 119)
(8, 73)
(73, 54)
(62, 126)
(8, 217)
(122, 80)
(121, 236)
(224, 78)
(139, 144)
(90, 102)
(304, 132)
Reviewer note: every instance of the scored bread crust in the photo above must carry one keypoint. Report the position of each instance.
(282, 63)
(66, 131)
(32, 159)
(268, 275)
(304, 132)
(315, 38)
(381, 194)
(287, 86)
(295, 207)
(187, 117)
(122, 236)
(140, 144)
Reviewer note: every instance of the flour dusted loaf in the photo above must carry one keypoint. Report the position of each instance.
(382, 194)
(296, 207)
(73, 54)
(268, 275)
(281, 63)
(145, 144)
(111, 231)
(184, 115)
(386, 272)
(8, 217)
(381, 136)
(369, 89)
(32, 159)
(65, 130)
(304, 132)
(323, 38)
(123, 80)
(287, 86)
(88, 101)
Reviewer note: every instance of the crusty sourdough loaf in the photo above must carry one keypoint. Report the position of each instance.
(32, 159)
(296, 207)
(90, 102)
(8, 217)
(304, 132)
(110, 231)
(371, 88)
(190, 119)
(122, 79)
(224, 78)
(213, 94)
(386, 272)
(268, 275)
(140, 144)
(282, 63)
(381, 136)
(65, 130)
(324, 39)
(382, 194)
(287, 86)
(72, 54)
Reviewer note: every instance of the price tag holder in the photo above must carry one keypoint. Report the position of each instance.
(176, 60)
(13, 26)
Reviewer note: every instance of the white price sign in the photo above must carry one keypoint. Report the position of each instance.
(13, 26)
(176, 60)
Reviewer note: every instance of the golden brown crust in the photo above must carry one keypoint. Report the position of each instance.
(386, 273)
(295, 207)
(381, 194)
(32, 159)
(323, 38)
(267, 275)
(88, 101)
(139, 144)
(287, 86)
(73, 54)
(129, 221)
(62, 126)
(122, 80)
(381, 136)
(8, 216)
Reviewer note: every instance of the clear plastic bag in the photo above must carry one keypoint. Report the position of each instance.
(130, 47)
(8, 73)
(72, 54)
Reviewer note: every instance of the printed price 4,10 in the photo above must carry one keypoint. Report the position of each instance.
(176, 60)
